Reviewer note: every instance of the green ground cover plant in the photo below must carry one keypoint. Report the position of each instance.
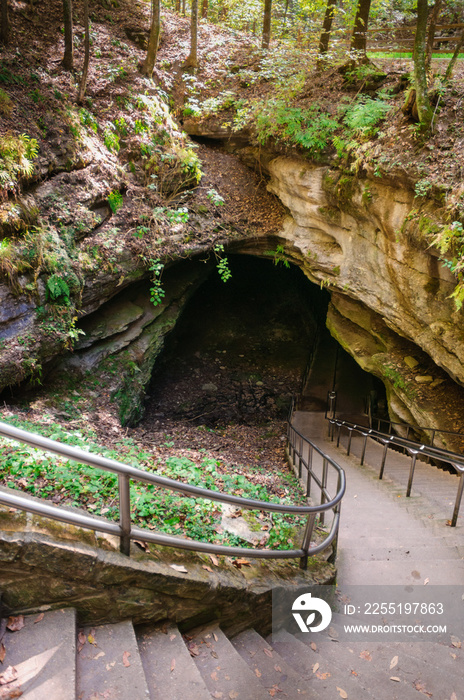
(68, 483)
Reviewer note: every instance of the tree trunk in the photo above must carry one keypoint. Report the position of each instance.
(153, 40)
(5, 26)
(266, 24)
(177, 6)
(68, 58)
(454, 58)
(183, 8)
(85, 69)
(424, 109)
(192, 60)
(204, 9)
(358, 38)
(326, 29)
(434, 14)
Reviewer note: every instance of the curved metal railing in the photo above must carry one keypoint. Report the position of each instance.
(127, 532)
(411, 447)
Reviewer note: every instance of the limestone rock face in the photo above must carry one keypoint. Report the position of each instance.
(349, 234)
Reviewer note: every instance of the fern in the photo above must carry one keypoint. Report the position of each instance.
(365, 114)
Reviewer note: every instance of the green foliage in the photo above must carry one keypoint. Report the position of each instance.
(450, 242)
(115, 200)
(174, 216)
(111, 141)
(279, 256)
(422, 187)
(78, 485)
(215, 198)
(222, 264)
(87, 119)
(157, 292)
(16, 156)
(6, 105)
(58, 290)
(363, 115)
(311, 128)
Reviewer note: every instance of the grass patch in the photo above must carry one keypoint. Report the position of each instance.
(69, 483)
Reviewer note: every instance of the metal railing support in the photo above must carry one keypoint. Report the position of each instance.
(325, 469)
(306, 544)
(363, 453)
(384, 459)
(300, 456)
(457, 503)
(411, 474)
(124, 513)
(350, 435)
(339, 433)
(310, 468)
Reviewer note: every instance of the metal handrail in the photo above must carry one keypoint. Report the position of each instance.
(411, 428)
(127, 532)
(297, 445)
(414, 449)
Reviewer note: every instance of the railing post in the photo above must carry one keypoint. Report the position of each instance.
(325, 468)
(307, 540)
(348, 449)
(363, 453)
(310, 468)
(339, 433)
(384, 457)
(411, 474)
(458, 500)
(124, 513)
(433, 438)
(300, 455)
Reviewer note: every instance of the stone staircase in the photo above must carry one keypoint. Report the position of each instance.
(52, 658)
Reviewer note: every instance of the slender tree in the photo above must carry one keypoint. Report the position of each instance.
(424, 109)
(153, 40)
(433, 19)
(177, 8)
(192, 60)
(326, 29)
(85, 68)
(358, 38)
(68, 58)
(5, 26)
(204, 9)
(454, 58)
(266, 24)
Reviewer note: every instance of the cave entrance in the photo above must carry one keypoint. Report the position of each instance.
(240, 348)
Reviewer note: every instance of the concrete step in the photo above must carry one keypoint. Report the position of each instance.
(225, 673)
(43, 653)
(109, 664)
(272, 670)
(169, 669)
(328, 677)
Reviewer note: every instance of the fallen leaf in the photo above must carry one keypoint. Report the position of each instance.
(99, 655)
(453, 656)
(125, 658)
(218, 694)
(258, 673)
(323, 676)
(215, 561)
(278, 669)
(268, 653)
(316, 667)
(332, 632)
(9, 675)
(395, 678)
(453, 696)
(213, 653)
(365, 655)
(91, 639)
(2, 652)
(142, 545)
(233, 694)
(272, 692)
(456, 642)
(421, 688)
(343, 693)
(353, 673)
(179, 567)
(15, 623)
(172, 637)
(39, 618)
(214, 676)
(313, 646)
(393, 662)
(241, 562)
(215, 637)
(193, 649)
(426, 581)
(208, 568)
